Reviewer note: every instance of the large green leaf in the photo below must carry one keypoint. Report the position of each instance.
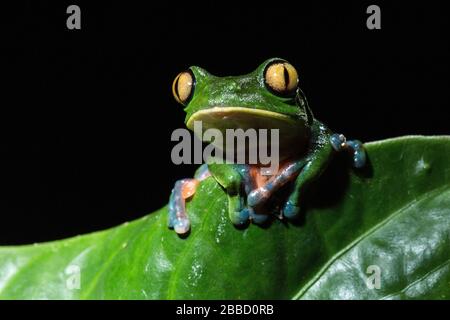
(393, 216)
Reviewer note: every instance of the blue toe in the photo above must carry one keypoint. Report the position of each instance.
(290, 210)
(241, 217)
(182, 226)
(354, 144)
(359, 154)
(359, 158)
(336, 141)
(258, 218)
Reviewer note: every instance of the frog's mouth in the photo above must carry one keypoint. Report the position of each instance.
(292, 132)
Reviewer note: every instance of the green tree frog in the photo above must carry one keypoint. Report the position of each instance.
(269, 97)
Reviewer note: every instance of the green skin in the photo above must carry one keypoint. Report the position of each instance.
(247, 102)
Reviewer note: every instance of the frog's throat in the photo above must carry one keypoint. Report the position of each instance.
(293, 132)
(220, 116)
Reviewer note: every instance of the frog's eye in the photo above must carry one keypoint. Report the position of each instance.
(281, 78)
(183, 87)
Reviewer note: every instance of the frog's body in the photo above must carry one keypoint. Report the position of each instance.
(268, 98)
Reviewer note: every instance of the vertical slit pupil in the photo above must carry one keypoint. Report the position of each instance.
(286, 77)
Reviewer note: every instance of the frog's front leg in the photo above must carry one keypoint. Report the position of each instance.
(184, 189)
(316, 157)
(323, 148)
(316, 162)
(230, 177)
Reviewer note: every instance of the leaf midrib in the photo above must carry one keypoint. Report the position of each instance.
(422, 278)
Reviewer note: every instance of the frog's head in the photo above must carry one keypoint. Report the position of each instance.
(267, 98)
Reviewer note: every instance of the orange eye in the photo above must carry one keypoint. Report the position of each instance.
(183, 87)
(281, 77)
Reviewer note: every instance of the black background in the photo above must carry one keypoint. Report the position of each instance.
(86, 115)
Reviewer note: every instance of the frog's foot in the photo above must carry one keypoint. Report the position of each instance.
(249, 214)
(290, 209)
(339, 142)
(239, 216)
(183, 190)
(258, 218)
(178, 219)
